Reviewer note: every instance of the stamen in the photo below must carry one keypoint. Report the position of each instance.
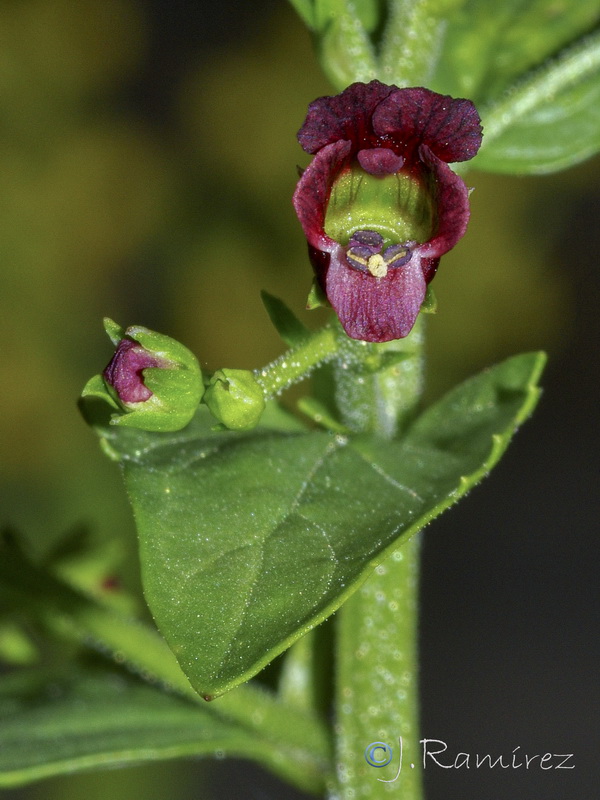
(358, 257)
(364, 254)
(397, 255)
(370, 239)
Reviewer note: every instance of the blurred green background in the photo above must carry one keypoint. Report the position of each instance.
(147, 162)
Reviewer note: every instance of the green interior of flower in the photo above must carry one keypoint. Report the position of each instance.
(397, 206)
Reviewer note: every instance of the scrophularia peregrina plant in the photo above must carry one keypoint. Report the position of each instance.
(256, 523)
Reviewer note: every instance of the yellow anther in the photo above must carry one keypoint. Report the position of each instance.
(377, 266)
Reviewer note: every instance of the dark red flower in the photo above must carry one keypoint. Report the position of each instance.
(378, 203)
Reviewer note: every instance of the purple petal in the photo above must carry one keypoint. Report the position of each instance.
(380, 161)
(453, 211)
(375, 309)
(124, 372)
(343, 116)
(451, 128)
(313, 190)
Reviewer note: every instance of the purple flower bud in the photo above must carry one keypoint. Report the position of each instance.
(124, 372)
(152, 382)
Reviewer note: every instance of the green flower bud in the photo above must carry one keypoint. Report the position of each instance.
(235, 398)
(152, 381)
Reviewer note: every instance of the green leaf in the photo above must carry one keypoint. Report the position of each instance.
(490, 45)
(287, 324)
(52, 724)
(45, 599)
(249, 540)
(548, 122)
(69, 614)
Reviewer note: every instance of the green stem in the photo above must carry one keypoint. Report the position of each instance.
(345, 48)
(411, 42)
(298, 362)
(377, 682)
(377, 660)
(372, 397)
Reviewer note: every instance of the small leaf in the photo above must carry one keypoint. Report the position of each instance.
(52, 724)
(287, 324)
(306, 11)
(548, 122)
(320, 414)
(249, 540)
(45, 599)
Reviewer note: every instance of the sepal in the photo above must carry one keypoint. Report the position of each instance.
(316, 297)
(429, 305)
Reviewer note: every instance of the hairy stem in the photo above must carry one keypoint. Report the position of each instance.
(298, 362)
(571, 67)
(377, 660)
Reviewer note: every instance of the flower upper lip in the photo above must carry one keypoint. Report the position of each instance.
(382, 131)
(375, 115)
